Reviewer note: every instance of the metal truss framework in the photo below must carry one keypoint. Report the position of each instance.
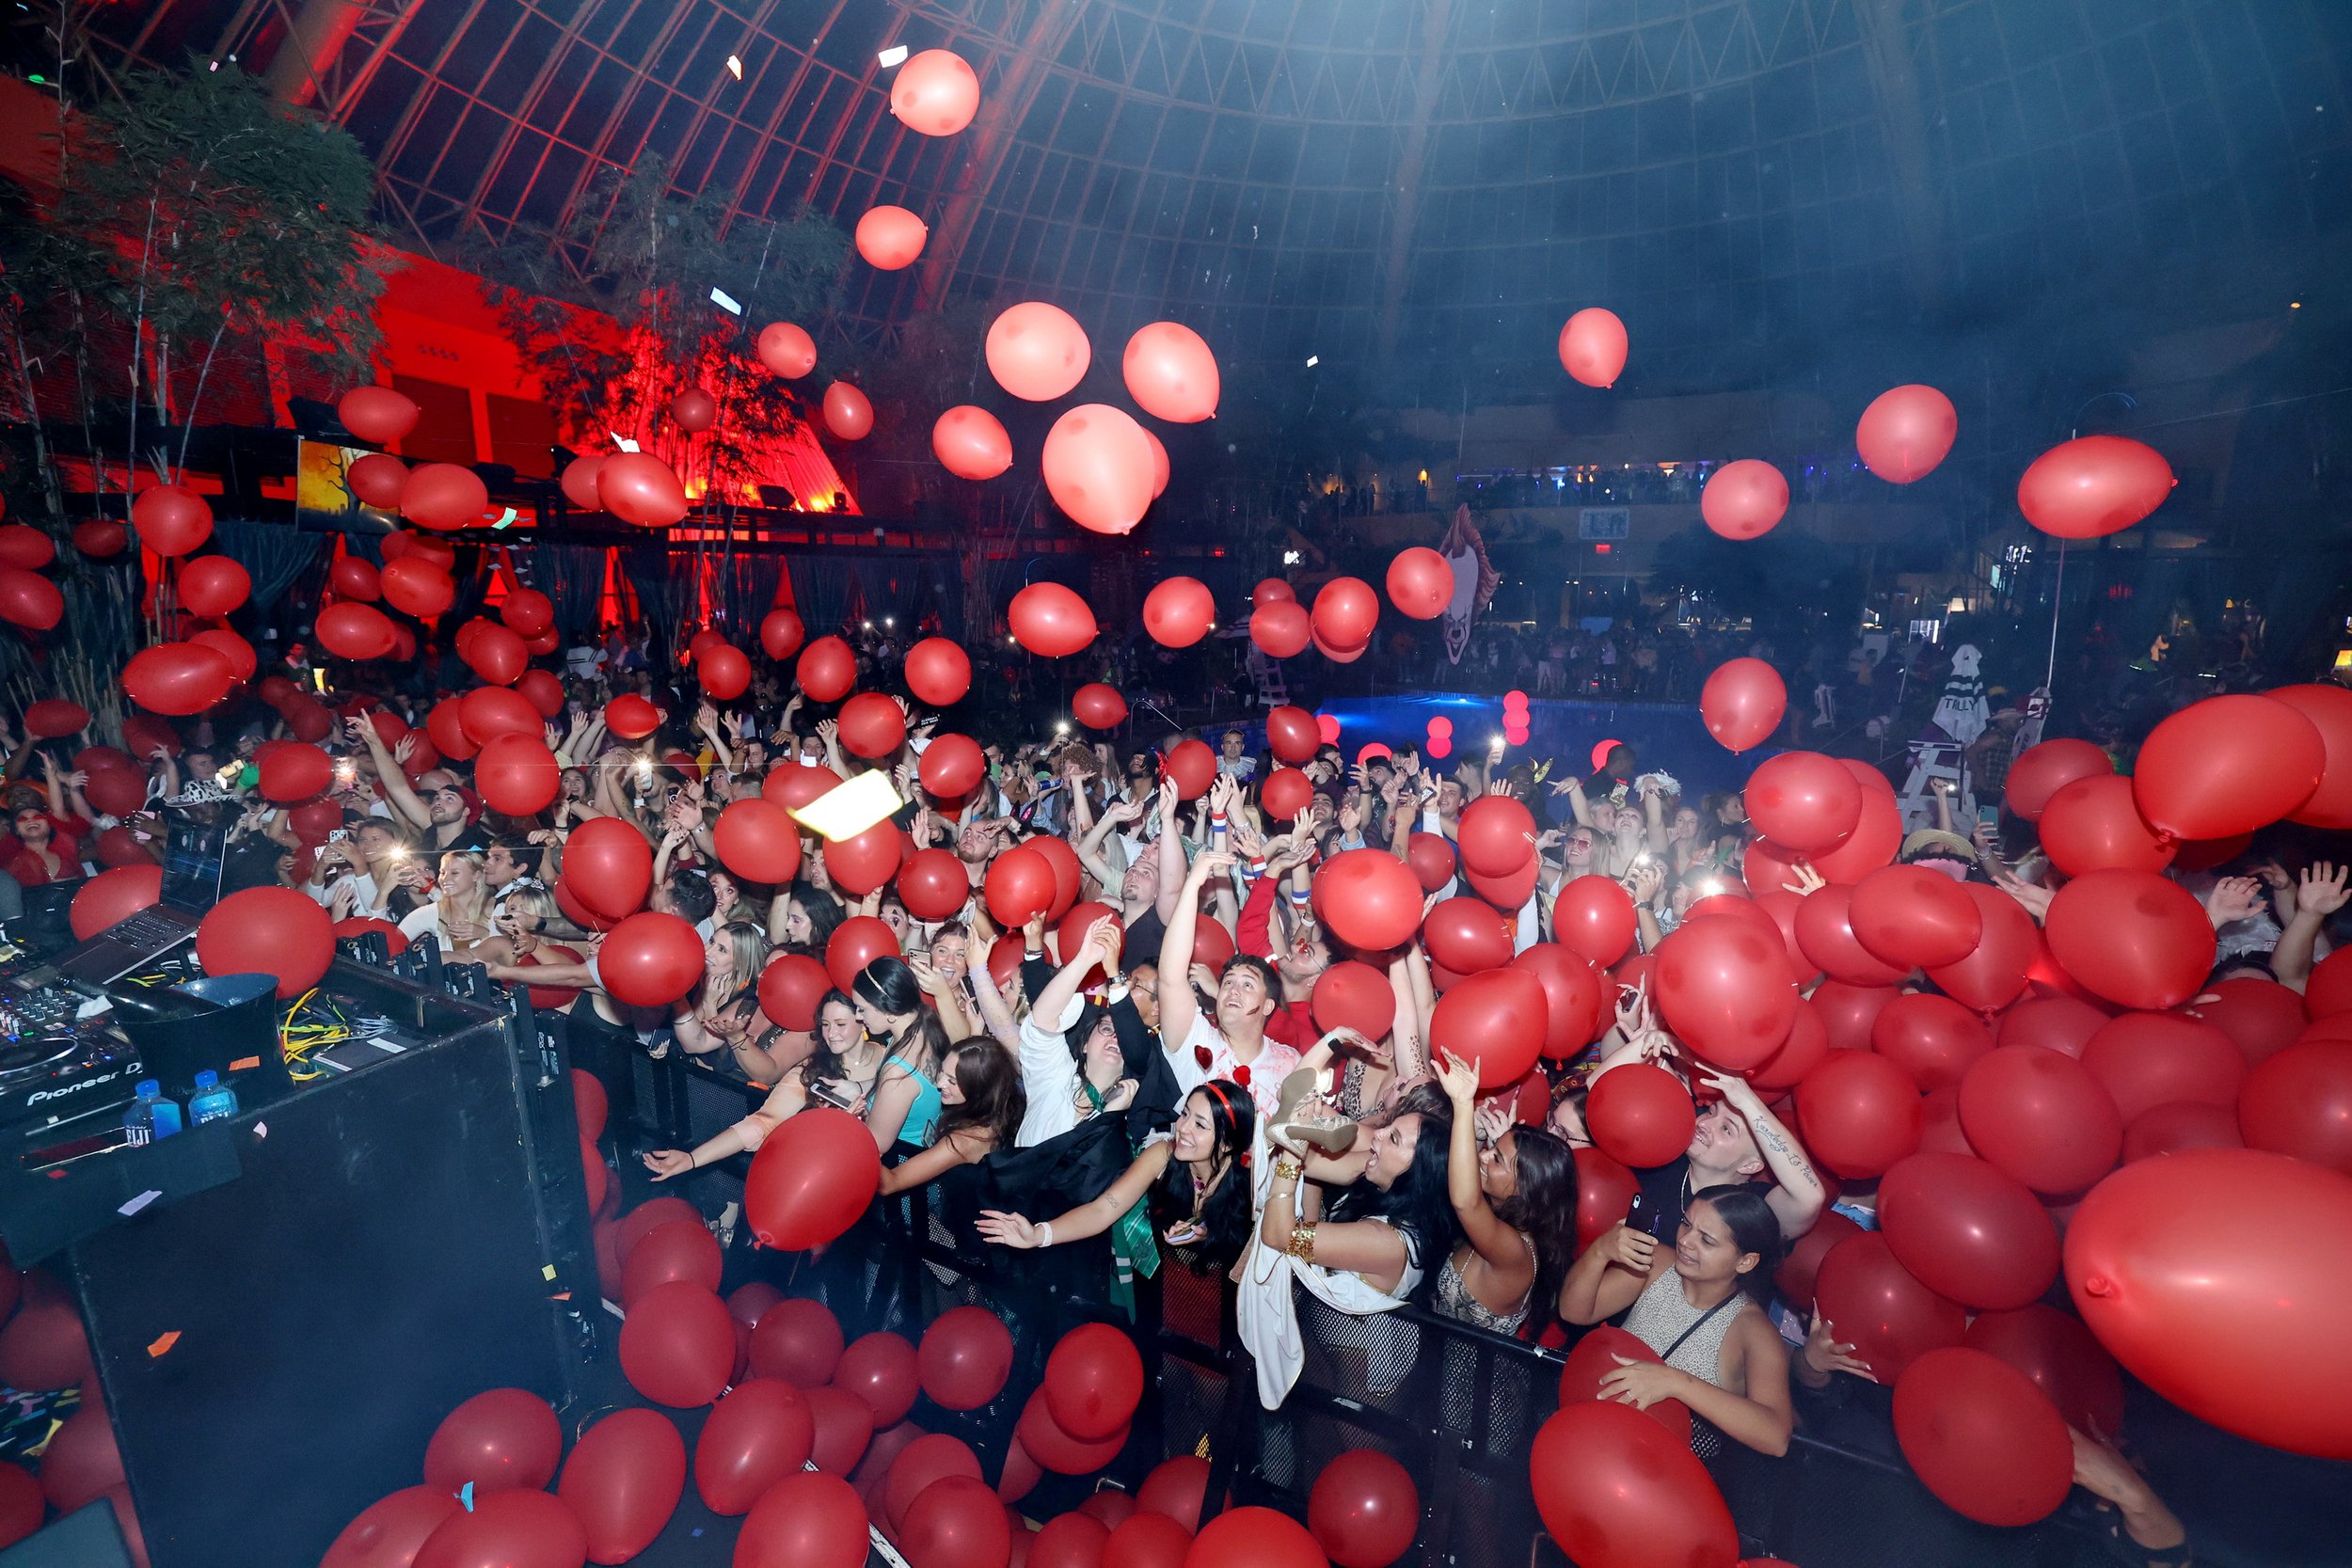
(1368, 179)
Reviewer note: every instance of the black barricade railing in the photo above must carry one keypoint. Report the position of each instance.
(1456, 1405)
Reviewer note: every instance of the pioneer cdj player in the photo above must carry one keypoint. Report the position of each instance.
(61, 1060)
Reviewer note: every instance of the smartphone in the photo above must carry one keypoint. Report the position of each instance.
(1989, 815)
(824, 1092)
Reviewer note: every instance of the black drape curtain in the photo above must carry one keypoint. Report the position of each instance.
(272, 554)
(572, 578)
(821, 588)
(747, 588)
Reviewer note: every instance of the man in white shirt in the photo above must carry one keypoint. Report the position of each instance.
(1233, 1045)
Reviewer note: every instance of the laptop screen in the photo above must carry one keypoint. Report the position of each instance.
(192, 859)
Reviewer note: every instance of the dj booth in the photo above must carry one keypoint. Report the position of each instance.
(283, 1303)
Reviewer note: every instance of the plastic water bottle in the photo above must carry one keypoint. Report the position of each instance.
(212, 1100)
(150, 1115)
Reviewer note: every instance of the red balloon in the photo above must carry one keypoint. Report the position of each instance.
(1179, 612)
(177, 679)
(969, 442)
(1743, 703)
(2060, 1357)
(1466, 935)
(387, 1533)
(889, 238)
(1966, 1230)
(1171, 373)
(935, 94)
(377, 415)
(1804, 800)
(268, 931)
(99, 538)
(2227, 765)
(1433, 858)
(1098, 707)
(724, 672)
(2041, 772)
(957, 1523)
(444, 496)
(2299, 1102)
(794, 985)
(1616, 1490)
(1498, 1021)
(1643, 1121)
(938, 672)
(677, 1343)
(2041, 1115)
(488, 712)
(578, 483)
(2330, 710)
(1593, 915)
(30, 600)
(1292, 736)
(799, 1342)
(1497, 835)
(759, 1433)
(1073, 1540)
(609, 865)
(1286, 793)
(1726, 986)
(1994, 975)
(1099, 467)
(1744, 499)
(854, 943)
(1595, 1356)
(812, 1179)
(1352, 995)
(1912, 916)
(1251, 1538)
(518, 775)
(1419, 583)
(1368, 898)
(508, 1529)
(1804, 1048)
(2146, 1059)
(650, 961)
(1593, 347)
(1058, 1451)
(2063, 1024)
(787, 350)
(780, 633)
(1879, 1308)
(809, 1520)
(1176, 1489)
(26, 547)
(952, 765)
(2131, 937)
(1192, 766)
(1574, 1012)
(1861, 1113)
(849, 413)
(1825, 936)
(294, 773)
(756, 840)
(827, 670)
(1931, 1037)
(640, 488)
(675, 1249)
(2197, 1270)
(1093, 1381)
(2179, 1124)
(54, 717)
(871, 725)
(878, 1369)
(862, 862)
(416, 587)
(116, 895)
(1280, 628)
(1037, 351)
(925, 1458)
(358, 631)
(1345, 613)
(1986, 1442)
(1364, 1510)
(493, 652)
(1872, 844)
(622, 1481)
(964, 1357)
(1802, 1266)
(1051, 621)
(214, 585)
(527, 613)
(171, 519)
(1019, 886)
(542, 691)
(2092, 487)
(1906, 432)
(502, 1439)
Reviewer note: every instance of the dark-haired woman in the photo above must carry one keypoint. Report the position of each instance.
(1698, 1306)
(981, 1105)
(841, 1073)
(1195, 1179)
(905, 1105)
(1515, 1199)
(804, 914)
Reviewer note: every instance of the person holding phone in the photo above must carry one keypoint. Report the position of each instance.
(840, 1073)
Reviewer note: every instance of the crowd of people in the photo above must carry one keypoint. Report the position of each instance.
(1151, 1085)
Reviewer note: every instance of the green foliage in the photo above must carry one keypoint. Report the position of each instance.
(195, 200)
(648, 259)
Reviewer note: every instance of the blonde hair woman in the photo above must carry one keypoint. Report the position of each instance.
(722, 1013)
(459, 916)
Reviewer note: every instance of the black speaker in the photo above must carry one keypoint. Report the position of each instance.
(275, 1349)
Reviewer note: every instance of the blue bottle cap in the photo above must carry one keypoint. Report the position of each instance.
(208, 1079)
(150, 1089)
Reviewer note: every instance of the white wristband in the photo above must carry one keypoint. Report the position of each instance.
(1045, 1233)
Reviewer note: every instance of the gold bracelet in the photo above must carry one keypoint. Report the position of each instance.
(1303, 1242)
(1287, 1169)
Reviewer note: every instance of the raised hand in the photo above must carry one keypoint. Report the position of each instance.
(2322, 890)
(1823, 1354)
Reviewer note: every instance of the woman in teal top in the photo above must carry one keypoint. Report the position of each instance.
(905, 1105)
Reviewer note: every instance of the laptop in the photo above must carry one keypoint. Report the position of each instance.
(193, 855)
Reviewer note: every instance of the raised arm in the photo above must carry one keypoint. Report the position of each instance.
(1497, 1244)
(1170, 849)
(1609, 1274)
(1798, 1197)
(1177, 1006)
(398, 793)
(2321, 894)
(1088, 1219)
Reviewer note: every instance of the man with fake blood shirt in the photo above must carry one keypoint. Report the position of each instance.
(1235, 1044)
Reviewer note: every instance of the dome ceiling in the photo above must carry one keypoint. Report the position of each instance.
(1421, 188)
